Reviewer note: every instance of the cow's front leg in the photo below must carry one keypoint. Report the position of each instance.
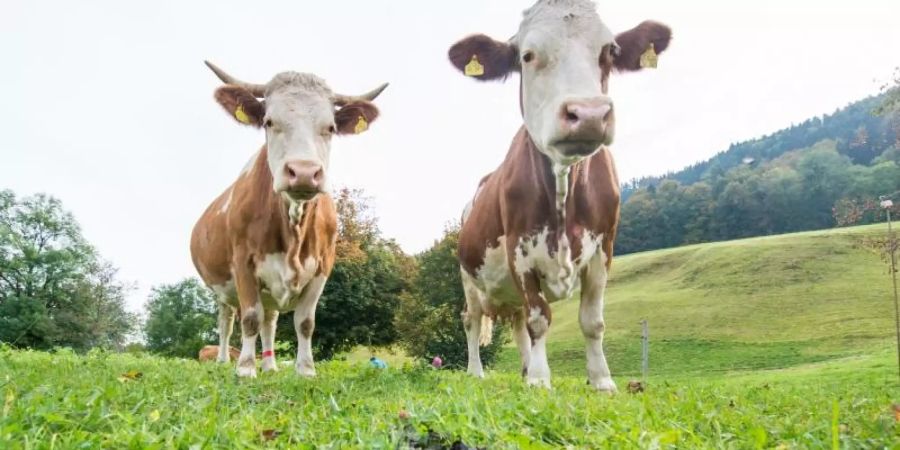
(537, 321)
(472, 318)
(590, 316)
(251, 313)
(305, 323)
(270, 321)
(523, 341)
(226, 326)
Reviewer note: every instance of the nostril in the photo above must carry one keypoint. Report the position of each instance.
(319, 175)
(291, 173)
(571, 117)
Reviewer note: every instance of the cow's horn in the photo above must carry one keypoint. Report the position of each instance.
(258, 90)
(341, 100)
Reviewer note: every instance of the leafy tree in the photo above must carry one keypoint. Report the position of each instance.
(181, 319)
(54, 288)
(429, 320)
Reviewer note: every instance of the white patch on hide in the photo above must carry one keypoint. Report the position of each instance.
(277, 280)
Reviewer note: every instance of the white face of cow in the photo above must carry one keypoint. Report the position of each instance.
(300, 115)
(299, 124)
(564, 105)
(565, 55)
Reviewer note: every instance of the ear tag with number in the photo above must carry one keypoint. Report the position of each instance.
(241, 116)
(649, 58)
(361, 125)
(474, 68)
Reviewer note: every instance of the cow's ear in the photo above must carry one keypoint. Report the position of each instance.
(635, 45)
(355, 117)
(241, 104)
(480, 57)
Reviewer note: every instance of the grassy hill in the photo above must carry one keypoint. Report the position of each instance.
(761, 303)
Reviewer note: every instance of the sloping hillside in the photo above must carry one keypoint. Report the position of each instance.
(823, 172)
(760, 303)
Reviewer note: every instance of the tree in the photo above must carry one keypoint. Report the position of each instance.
(429, 320)
(181, 319)
(55, 290)
(362, 294)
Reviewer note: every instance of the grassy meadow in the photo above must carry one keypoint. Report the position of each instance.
(779, 342)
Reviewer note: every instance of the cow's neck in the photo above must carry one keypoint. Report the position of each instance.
(558, 191)
(287, 221)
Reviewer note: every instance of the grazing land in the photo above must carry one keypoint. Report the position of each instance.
(778, 342)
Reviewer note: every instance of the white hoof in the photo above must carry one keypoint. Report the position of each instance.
(246, 372)
(539, 382)
(305, 371)
(268, 365)
(604, 385)
(476, 372)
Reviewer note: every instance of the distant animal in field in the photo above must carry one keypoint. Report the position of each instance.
(211, 353)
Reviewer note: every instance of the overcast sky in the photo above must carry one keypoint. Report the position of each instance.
(107, 104)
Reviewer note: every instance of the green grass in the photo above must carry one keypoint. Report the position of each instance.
(780, 342)
(68, 401)
(759, 303)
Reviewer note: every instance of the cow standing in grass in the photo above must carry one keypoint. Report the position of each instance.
(267, 243)
(545, 220)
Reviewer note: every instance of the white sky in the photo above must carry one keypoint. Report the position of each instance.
(108, 106)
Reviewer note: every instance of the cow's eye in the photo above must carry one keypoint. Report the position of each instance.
(528, 57)
(331, 129)
(268, 123)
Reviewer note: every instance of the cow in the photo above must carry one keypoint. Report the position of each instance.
(543, 223)
(211, 352)
(267, 243)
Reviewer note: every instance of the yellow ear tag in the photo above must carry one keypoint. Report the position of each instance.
(649, 58)
(241, 116)
(361, 125)
(474, 68)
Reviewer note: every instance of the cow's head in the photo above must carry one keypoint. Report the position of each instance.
(565, 55)
(300, 114)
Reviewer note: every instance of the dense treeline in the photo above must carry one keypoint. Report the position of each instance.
(824, 172)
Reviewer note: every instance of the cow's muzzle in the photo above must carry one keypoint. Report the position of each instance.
(584, 125)
(305, 179)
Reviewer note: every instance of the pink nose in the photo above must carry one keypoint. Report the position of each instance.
(583, 115)
(304, 176)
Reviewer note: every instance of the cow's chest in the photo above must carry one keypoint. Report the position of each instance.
(558, 269)
(280, 282)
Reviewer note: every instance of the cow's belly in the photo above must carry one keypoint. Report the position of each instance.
(559, 272)
(280, 285)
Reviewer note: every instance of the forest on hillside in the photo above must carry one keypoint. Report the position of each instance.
(824, 172)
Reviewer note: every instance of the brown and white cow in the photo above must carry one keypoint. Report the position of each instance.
(266, 245)
(545, 220)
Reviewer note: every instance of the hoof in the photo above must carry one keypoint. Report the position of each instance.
(306, 372)
(269, 365)
(246, 372)
(539, 382)
(604, 385)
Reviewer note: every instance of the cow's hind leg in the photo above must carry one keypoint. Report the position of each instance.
(590, 316)
(270, 321)
(304, 324)
(226, 326)
(473, 319)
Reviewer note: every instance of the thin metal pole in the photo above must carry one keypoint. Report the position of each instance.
(892, 248)
(645, 350)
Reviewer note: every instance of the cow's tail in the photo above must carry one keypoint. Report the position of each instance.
(487, 331)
